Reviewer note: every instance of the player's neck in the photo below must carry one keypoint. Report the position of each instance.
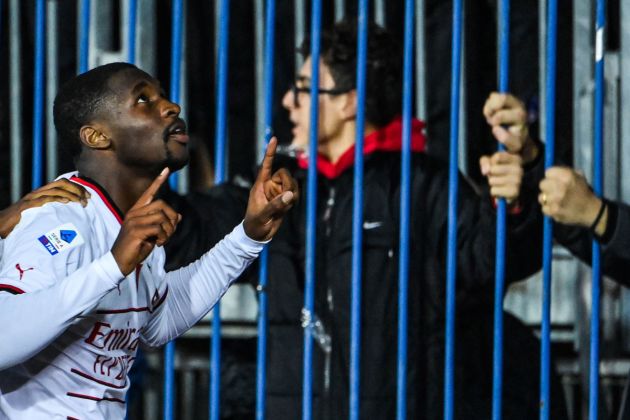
(124, 185)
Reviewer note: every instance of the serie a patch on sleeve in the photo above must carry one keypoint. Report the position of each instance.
(61, 238)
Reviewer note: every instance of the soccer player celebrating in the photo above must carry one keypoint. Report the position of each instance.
(80, 287)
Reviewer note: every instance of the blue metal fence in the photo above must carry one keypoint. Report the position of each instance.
(550, 136)
(261, 354)
(405, 210)
(357, 216)
(453, 188)
(220, 175)
(176, 63)
(311, 218)
(38, 100)
(499, 274)
(598, 189)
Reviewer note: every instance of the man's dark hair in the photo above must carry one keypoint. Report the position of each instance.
(79, 101)
(338, 50)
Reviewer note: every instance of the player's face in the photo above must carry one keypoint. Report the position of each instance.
(298, 104)
(143, 125)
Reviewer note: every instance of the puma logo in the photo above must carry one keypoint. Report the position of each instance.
(19, 269)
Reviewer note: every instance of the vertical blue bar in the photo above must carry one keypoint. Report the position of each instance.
(169, 380)
(405, 190)
(357, 217)
(261, 357)
(219, 165)
(38, 100)
(131, 33)
(176, 62)
(550, 136)
(176, 53)
(311, 214)
(84, 48)
(499, 274)
(453, 189)
(597, 187)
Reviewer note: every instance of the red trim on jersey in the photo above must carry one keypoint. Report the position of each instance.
(71, 418)
(127, 310)
(100, 193)
(121, 311)
(98, 381)
(90, 397)
(11, 289)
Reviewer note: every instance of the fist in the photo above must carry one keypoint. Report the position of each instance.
(507, 117)
(504, 172)
(566, 197)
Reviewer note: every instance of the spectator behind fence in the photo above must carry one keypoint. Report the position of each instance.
(82, 286)
(337, 101)
(565, 195)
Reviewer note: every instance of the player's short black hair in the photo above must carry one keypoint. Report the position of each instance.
(338, 50)
(79, 101)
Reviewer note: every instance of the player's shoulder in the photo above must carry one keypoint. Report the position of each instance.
(65, 221)
(55, 225)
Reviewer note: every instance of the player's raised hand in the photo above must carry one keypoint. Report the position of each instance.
(271, 196)
(62, 191)
(147, 224)
(504, 172)
(507, 117)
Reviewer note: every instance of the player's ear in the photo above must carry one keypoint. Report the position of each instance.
(93, 138)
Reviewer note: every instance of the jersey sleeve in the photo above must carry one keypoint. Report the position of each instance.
(193, 290)
(44, 286)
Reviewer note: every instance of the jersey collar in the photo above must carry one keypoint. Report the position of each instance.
(88, 182)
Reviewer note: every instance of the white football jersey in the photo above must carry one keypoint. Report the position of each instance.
(74, 323)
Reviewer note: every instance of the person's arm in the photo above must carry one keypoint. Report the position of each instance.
(40, 294)
(563, 193)
(62, 191)
(566, 197)
(42, 287)
(194, 290)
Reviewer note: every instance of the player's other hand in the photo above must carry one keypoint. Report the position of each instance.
(507, 117)
(504, 172)
(271, 196)
(62, 191)
(147, 224)
(566, 197)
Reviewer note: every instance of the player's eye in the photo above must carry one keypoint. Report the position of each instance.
(142, 98)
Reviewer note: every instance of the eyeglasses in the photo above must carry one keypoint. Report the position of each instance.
(295, 90)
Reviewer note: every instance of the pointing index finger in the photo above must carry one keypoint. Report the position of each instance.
(148, 196)
(267, 163)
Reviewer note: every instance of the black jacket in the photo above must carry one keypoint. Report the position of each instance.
(475, 288)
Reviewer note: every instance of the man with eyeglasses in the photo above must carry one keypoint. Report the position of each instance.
(338, 104)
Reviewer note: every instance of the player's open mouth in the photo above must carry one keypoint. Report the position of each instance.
(177, 132)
